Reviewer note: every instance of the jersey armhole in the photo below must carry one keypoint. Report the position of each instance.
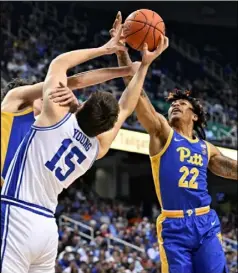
(52, 127)
(19, 113)
(96, 154)
(208, 150)
(168, 141)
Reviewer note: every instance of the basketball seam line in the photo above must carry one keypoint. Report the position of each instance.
(144, 38)
(147, 24)
(136, 31)
(147, 30)
(158, 30)
(144, 15)
(153, 29)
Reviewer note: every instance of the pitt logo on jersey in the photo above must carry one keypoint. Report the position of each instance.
(185, 154)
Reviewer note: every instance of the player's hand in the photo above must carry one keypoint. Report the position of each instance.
(117, 22)
(63, 96)
(117, 41)
(134, 67)
(150, 56)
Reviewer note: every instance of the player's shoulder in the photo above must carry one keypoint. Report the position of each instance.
(212, 149)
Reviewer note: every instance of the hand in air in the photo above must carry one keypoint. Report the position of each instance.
(64, 96)
(150, 56)
(117, 42)
(118, 22)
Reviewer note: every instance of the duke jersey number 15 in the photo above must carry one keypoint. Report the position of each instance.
(48, 160)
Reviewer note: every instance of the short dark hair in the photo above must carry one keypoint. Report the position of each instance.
(198, 109)
(13, 84)
(98, 114)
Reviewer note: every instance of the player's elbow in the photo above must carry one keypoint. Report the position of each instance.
(125, 111)
(58, 64)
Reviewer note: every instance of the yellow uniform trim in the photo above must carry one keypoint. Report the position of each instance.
(155, 164)
(208, 150)
(191, 140)
(2, 181)
(163, 257)
(219, 236)
(6, 129)
(181, 214)
(19, 113)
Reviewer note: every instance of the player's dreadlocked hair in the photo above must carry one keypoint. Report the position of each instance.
(13, 84)
(201, 123)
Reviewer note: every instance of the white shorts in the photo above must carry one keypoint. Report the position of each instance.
(29, 238)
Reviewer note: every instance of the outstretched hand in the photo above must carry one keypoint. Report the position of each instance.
(150, 56)
(116, 44)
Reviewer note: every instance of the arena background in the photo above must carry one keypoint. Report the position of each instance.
(107, 217)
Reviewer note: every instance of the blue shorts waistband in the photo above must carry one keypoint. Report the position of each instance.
(37, 209)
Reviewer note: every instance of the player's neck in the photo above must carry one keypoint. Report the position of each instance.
(184, 130)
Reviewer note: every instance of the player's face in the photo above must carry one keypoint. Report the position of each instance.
(181, 110)
(37, 106)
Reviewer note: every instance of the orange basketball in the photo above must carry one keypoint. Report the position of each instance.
(143, 26)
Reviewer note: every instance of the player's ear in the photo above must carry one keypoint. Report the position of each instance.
(195, 117)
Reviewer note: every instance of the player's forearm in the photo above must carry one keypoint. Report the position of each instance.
(224, 167)
(123, 59)
(73, 58)
(97, 76)
(30, 93)
(145, 113)
(22, 96)
(130, 96)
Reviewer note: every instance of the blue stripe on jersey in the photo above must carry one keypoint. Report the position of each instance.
(58, 124)
(21, 124)
(9, 174)
(24, 162)
(4, 218)
(17, 169)
(25, 203)
(27, 208)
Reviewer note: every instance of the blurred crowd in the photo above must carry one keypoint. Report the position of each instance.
(118, 219)
(32, 39)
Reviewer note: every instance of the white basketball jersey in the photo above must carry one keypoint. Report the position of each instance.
(48, 160)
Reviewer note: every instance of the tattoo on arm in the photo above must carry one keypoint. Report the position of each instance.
(143, 94)
(224, 166)
(124, 59)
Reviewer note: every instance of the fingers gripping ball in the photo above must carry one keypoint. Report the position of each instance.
(143, 26)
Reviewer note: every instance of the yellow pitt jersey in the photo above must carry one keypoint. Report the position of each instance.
(180, 173)
(14, 127)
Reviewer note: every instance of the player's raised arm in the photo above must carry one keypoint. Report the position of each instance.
(222, 165)
(128, 100)
(101, 75)
(24, 95)
(89, 78)
(59, 66)
(152, 121)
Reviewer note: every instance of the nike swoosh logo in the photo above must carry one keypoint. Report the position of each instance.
(213, 223)
(177, 139)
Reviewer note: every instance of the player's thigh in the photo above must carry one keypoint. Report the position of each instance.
(45, 262)
(175, 259)
(13, 263)
(175, 256)
(210, 258)
(14, 249)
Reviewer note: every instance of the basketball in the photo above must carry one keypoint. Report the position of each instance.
(143, 26)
